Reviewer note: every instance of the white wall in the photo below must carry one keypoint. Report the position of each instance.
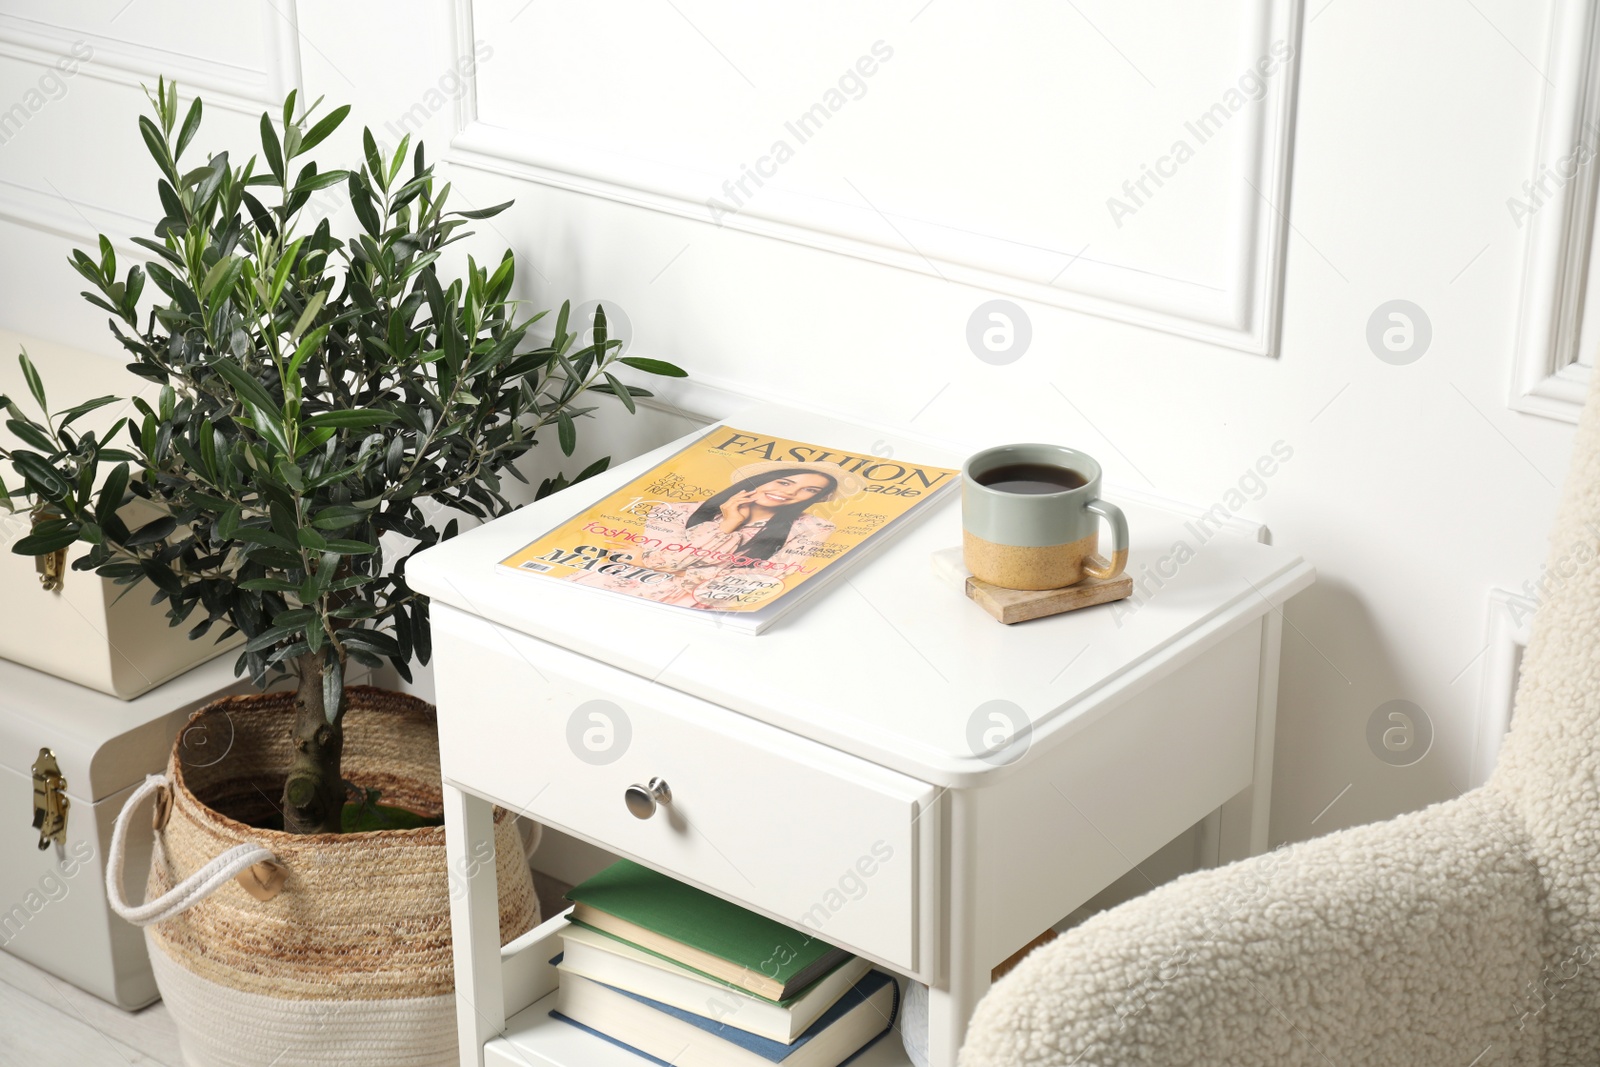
(1178, 346)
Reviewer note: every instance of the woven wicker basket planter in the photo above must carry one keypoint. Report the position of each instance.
(350, 963)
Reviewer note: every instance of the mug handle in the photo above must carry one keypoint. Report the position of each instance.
(1119, 542)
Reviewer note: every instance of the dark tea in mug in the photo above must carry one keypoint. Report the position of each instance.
(1032, 478)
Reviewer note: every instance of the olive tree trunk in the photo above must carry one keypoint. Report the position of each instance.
(313, 793)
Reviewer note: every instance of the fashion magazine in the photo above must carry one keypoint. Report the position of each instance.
(736, 522)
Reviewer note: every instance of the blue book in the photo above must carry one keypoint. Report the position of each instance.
(677, 1038)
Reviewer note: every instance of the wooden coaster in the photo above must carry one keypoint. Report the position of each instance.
(1020, 605)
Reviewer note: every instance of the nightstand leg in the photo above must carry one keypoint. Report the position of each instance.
(966, 977)
(949, 1010)
(1266, 731)
(474, 922)
(1243, 829)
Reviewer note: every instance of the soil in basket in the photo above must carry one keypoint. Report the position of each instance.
(358, 817)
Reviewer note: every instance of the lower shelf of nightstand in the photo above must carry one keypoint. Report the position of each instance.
(533, 1039)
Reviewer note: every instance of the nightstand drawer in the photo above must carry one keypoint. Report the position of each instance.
(779, 823)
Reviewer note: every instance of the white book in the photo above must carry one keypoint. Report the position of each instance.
(602, 958)
(672, 1036)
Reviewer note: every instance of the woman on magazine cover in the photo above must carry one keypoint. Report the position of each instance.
(758, 529)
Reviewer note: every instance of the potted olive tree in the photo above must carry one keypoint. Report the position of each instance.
(318, 392)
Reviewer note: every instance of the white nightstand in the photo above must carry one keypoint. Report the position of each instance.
(835, 771)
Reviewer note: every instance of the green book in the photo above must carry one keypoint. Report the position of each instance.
(702, 932)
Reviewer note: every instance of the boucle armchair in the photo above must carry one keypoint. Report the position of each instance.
(1463, 935)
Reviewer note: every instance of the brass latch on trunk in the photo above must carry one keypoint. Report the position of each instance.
(50, 801)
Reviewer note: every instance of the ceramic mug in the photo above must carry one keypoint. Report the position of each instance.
(1038, 539)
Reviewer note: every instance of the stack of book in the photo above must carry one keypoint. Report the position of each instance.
(683, 977)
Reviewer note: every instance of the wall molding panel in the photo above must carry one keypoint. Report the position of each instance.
(1243, 313)
(1548, 376)
(227, 85)
(115, 61)
(48, 213)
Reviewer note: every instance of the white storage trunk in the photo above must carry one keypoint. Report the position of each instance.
(53, 910)
(83, 632)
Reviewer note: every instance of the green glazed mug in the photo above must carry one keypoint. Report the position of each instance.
(1030, 518)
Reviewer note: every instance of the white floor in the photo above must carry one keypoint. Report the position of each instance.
(43, 1020)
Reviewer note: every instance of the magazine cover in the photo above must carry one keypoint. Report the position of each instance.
(733, 522)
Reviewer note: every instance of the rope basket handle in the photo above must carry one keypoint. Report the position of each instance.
(187, 893)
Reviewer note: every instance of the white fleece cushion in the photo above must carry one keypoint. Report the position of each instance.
(1407, 943)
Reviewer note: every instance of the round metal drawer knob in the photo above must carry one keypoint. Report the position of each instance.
(642, 799)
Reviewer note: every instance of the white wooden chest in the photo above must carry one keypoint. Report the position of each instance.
(83, 632)
(53, 910)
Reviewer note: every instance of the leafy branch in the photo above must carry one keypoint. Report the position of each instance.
(315, 391)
